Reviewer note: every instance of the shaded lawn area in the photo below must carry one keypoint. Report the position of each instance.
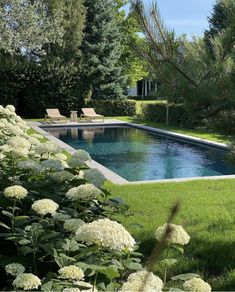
(207, 213)
(200, 133)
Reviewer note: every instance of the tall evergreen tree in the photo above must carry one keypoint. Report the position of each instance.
(219, 20)
(101, 48)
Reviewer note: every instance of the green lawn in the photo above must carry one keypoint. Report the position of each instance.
(207, 213)
(200, 133)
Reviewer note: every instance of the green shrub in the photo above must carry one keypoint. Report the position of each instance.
(157, 112)
(224, 122)
(113, 107)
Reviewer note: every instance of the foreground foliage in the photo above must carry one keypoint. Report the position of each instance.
(57, 223)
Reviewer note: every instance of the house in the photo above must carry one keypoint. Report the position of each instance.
(145, 87)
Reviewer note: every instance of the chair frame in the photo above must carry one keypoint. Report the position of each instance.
(91, 116)
(55, 117)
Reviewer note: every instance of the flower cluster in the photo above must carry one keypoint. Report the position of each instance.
(14, 269)
(45, 206)
(83, 192)
(79, 158)
(29, 165)
(51, 164)
(15, 192)
(94, 176)
(27, 281)
(72, 225)
(196, 285)
(71, 273)
(176, 234)
(62, 176)
(106, 233)
(142, 281)
(47, 148)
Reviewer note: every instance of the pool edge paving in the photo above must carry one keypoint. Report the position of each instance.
(112, 176)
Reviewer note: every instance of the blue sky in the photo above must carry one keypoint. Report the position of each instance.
(185, 16)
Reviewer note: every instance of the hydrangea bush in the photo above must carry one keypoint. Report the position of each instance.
(57, 222)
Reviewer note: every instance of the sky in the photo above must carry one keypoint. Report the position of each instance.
(185, 16)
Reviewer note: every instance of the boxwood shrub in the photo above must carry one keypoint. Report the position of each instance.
(113, 107)
(157, 112)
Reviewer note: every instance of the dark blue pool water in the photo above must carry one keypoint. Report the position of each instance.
(141, 155)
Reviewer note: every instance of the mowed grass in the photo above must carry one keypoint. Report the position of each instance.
(200, 133)
(207, 212)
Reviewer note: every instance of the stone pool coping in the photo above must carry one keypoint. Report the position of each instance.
(112, 176)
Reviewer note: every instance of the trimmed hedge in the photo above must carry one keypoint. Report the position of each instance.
(113, 107)
(157, 113)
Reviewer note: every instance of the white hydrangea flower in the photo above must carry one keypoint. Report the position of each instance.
(94, 176)
(19, 152)
(14, 269)
(11, 108)
(34, 141)
(72, 225)
(46, 148)
(45, 206)
(5, 148)
(18, 119)
(22, 125)
(14, 130)
(177, 234)
(78, 159)
(18, 142)
(107, 233)
(71, 272)
(37, 136)
(27, 281)
(15, 192)
(7, 112)
(80, 175)
(83, 192)
(52, 164)
(196, 285)
(142, 281)
(85, 287)
(29, 165)
(62, 176)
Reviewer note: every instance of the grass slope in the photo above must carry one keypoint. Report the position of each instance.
(207, 213)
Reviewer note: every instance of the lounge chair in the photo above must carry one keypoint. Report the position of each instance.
(90, 114)
(54, 115)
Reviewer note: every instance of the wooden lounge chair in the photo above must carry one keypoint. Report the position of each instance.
(54, 115)
(90, 114)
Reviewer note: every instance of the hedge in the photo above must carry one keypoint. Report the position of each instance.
(113, 107)
(157, 113)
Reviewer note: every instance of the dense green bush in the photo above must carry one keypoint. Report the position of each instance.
(223, 122)
(157, 112)
(113, 107)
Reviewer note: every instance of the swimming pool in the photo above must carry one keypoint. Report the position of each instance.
(139, 155)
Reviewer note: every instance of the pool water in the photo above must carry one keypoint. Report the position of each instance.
(137, 155)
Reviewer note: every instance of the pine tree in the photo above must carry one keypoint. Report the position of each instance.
(102, 72)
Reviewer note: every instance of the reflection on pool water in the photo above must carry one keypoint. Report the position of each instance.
(142, 155)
